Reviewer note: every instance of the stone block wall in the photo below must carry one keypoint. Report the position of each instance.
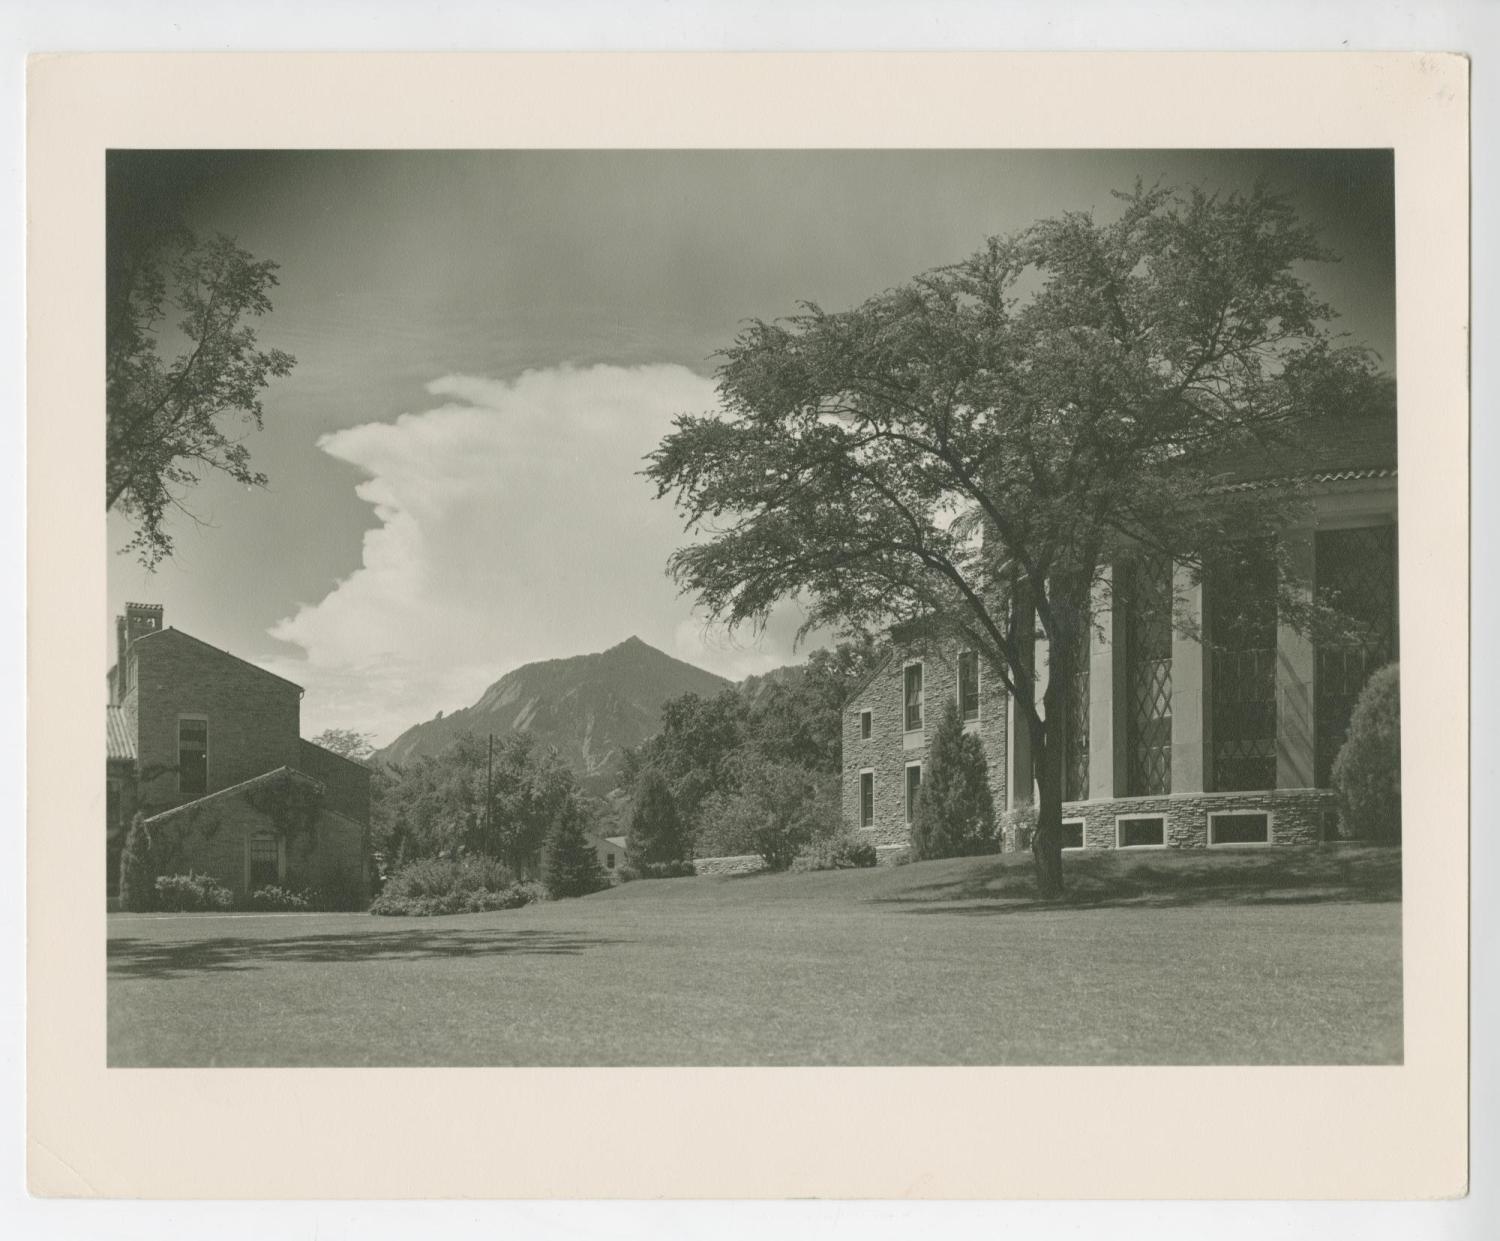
(1298, 816)
(889, 748)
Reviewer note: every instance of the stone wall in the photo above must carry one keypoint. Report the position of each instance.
(889, 748)
(744, 864)
(1298, 816)
(253, 717)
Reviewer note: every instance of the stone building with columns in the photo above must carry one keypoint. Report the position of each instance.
(1200, 717)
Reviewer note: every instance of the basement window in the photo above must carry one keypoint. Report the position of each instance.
(1141, 831)
(1239, 827)
(1072, 833)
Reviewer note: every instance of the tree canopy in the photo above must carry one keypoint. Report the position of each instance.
(964, 455)
(171, 418)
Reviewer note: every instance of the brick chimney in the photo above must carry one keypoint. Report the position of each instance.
(139, 620)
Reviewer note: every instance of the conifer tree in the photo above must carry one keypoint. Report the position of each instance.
(570, 867)
(655, 837)
(955, 812)
(137, 876)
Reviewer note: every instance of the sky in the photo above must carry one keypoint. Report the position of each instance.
(488, 344)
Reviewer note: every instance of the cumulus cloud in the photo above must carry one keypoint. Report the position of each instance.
(513, 526)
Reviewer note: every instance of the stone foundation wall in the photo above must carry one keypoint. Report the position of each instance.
(1298, 816)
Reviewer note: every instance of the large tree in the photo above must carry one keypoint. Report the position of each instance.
(172, 416)
(964, 456)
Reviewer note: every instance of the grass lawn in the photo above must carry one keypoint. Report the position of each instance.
(1237, 957)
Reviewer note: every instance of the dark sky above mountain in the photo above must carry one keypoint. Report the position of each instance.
(488, 342)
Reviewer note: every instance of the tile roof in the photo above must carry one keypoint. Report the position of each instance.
(119, 739)
(1324, 450)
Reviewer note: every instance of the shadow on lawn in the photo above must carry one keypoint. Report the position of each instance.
(1301, 877)
(142, 958)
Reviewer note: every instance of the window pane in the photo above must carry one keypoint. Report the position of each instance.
(913, 697)
(968, 685)
(1137, 832)
(867, 799)
(913, 784)
(864, 725)
(1239, 829)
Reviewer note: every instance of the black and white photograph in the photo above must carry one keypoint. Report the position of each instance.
(752, 607)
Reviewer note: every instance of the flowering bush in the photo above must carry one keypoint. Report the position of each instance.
(191, 893)
(271, 897)
(473, 901)
(837, 853)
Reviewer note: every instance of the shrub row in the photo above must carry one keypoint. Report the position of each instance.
(657, 870)
(837, 853)
(469, 901)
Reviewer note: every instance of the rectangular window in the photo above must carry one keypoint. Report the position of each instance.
(1072, 833)
(864, 725)
(1238, 828)
(265, 858)
(968, 685)
(913, 787)
(913, 698)
(192, 758)
(867, 799)
(609, 861)
(1141, 832)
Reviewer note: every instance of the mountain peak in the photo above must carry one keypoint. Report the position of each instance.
(591, 707)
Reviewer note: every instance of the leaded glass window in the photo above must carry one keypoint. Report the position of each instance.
(1241, 607)
(1148, 676)
(1356, 576)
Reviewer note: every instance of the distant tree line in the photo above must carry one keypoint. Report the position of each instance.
(753, 769)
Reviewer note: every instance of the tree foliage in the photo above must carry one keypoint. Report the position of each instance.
(137, 873)
(794, 719)
(435, 805)
(962, 456)
(170, 415)
(776, 811)
(955, 811)
(656, 836)
(570, 866)
(347, 743)
(1367, 771)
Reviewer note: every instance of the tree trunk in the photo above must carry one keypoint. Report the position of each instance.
(1047, 759)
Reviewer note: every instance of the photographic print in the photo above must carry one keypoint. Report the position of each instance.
(752, 607)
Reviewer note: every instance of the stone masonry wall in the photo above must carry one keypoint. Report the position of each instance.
(1298, 816)
(889, 748)
(253, 717)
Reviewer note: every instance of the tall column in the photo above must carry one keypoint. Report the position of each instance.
(1190, 669)
(1106, 740)
(1295, 743)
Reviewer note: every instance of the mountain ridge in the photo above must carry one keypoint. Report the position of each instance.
(590, 707)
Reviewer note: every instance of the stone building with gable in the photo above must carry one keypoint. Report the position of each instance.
(1199, 718)
(209, 747)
